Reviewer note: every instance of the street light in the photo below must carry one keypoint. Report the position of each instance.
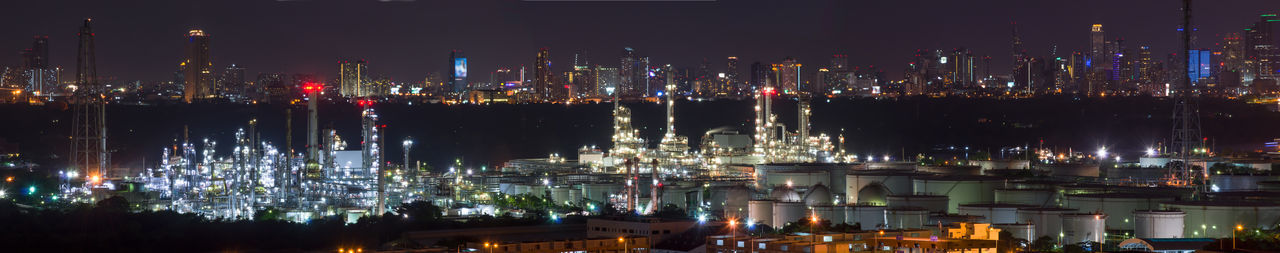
(624, 244)
(1233, 236)
(733, 232)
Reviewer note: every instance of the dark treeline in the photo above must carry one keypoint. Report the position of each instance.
(110, 225)
(490, 135)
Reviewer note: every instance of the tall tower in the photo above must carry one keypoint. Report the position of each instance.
(197, 69)
(89, 134)
(458, 77)
(787, 74)
(351, 77)
(1186, 143)
(731, 73)
(542, 75)
(1098, 55)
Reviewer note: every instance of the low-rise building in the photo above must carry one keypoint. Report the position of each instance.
(963, 237)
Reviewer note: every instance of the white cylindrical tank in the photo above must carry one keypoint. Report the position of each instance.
(560, 195)
(1216, 219)
(599, 192)
(892, 182)
(1118, 206)
(835, 214)
(1239, 182)
(993, 212)
(1083, 227)
(933, 203)
(575, 195)
(1070, 169)
(1025, 231)
(958, 170)
(787, 212)
(907, 217)
(525, 189)
(1035, 197)
(870, 217)
(760, 212)
(1158, 223)
(960, 189)
(1047, 220)
(1001, 164)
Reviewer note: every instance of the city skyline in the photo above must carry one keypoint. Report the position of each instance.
(263, 42)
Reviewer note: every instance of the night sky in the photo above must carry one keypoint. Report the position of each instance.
(405, 40)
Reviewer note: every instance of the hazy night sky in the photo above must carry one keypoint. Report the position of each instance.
(142, 40)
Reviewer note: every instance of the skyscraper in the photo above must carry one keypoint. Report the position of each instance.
(458, 77)
(731, 72)
(1261, 52)
(40, 79)
(542, 75)
(627, 72)
(351, 78)
(1098, 55)
(197, 68)
(233, 82)
(787, 75)
(760, 74)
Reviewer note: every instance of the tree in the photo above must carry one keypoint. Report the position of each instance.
(1042, 244)
(115, 204)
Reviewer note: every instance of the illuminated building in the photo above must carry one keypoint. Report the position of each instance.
(458, 77)
(41, 80)
(1200, 66)
(787, 75)
(352, 76)
(607, 80)
(1098, 53)
(1261, 52)
(637, 244)
(542, 75)
(731, 72)
(232, 81)
(197, 68)
(963, 237)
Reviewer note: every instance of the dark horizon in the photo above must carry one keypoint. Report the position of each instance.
(406, 40)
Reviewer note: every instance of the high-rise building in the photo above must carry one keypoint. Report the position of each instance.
(232, 81)
(581, 82)
(731, 72)
(760, 74)
(458, 77)
(197, 68)
(839, 62)
(627, 72)
(1200, 67)
(787, 75)
(40, 79)
(542, 75)
(1098, 55)
(352, 78)
(607, 80)
(1262, 55)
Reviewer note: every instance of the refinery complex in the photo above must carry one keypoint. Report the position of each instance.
(770, 175)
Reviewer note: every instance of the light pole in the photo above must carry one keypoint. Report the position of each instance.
(1233, 236)
(733, 233)
(813, 222)
(624, 244)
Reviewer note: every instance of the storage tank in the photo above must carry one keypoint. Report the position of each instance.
(1271, 186)
(906, 217)
(1069, 169)
(1035, 197)
(1239, 182)
(1025, 231)
(1216, 219)
(760, 212)
(835, 214)
(950, 170)
(892, 181)
(575, 196)
(1158, 223)
(788, 212)
(933, 203)
(731, 199)
(1119, 206)
(599, 192)
(944, 219)
(993, 212)
(560, 195)
(1047, 220)
(818, 195)
(1083, 227)
(525, 189)
(868, 216)
(960, 189)
(1001, 164)
(897, 165)
(873, 194)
